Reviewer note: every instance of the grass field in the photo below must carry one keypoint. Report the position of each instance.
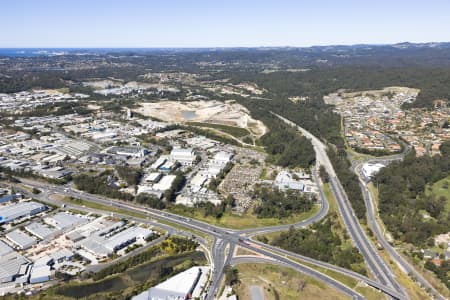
(237, 132)
(103, 207)
(441, 188)
(247, 220)
(367, 291)
(282, 283)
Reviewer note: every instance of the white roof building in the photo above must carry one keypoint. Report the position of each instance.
(153, 177)
(185, 156)
(41, 231)
(158, 163)
(179, 287)
(222, 158)
(102, 246)
(40, 274)
(165, 183)
(4, 249)
(11, 266)
(65, 221)
(198, 180)
(370, 170)
(23, 209)
(20, 239)
(284, 180)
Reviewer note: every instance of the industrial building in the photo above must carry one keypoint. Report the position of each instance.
(185, 157)
(153, 177)
(4, 248)
(12, 265)
(135, 152)
(104, 245)
(40, 274)
(285, 181)
(158, 163)
(13, 212)
(185, 285)
(371, 169)
(222, 158)
(65, 221)
(8, 198)
(42, 231)
(20, 239)
(165, 183)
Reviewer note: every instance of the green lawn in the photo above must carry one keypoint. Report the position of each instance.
(282, 283)
(247, 220)
(103, 207)
(441, 188)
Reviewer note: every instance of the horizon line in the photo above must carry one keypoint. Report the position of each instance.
(216, 47)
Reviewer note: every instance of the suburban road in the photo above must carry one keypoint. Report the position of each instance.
(375, 226)
(375, 263)
(224, 238)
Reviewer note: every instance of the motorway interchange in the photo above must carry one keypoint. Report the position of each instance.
(224, 241)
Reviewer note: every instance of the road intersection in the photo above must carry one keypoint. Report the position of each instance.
(224, 241)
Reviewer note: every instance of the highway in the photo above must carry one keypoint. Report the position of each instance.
(375, 226)
(223, 238)
(300, 268)
(375, 263)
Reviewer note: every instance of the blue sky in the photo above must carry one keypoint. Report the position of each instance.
(220, 23)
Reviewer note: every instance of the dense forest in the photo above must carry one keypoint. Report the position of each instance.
(442, 271)
(285, 146)
(278, 204)
(320, 242)
(99, 184)
(409, 214)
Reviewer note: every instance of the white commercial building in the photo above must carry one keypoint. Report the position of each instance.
(42, 231)
(12, 212)
(153, 177)
(4, 249)
(102, 245)
(186, 156)
(285, 181)
(165, 183)
(158, 163)
(12, 265)
(65, 221)
(222, 158)
(40, 274)
(185, 285)
(128, 151)
(20, 239)
(371, 169)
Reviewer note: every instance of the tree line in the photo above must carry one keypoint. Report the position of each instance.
(409, 213)
(274, 203)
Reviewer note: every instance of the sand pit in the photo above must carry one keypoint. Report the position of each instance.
(216, 112)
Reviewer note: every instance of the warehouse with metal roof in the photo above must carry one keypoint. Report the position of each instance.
(13, 212)
(65, 221)
(4, 248)
(12, 265)
(20, 239)
(41, 231)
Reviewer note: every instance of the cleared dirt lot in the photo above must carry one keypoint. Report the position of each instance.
(216, 112)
